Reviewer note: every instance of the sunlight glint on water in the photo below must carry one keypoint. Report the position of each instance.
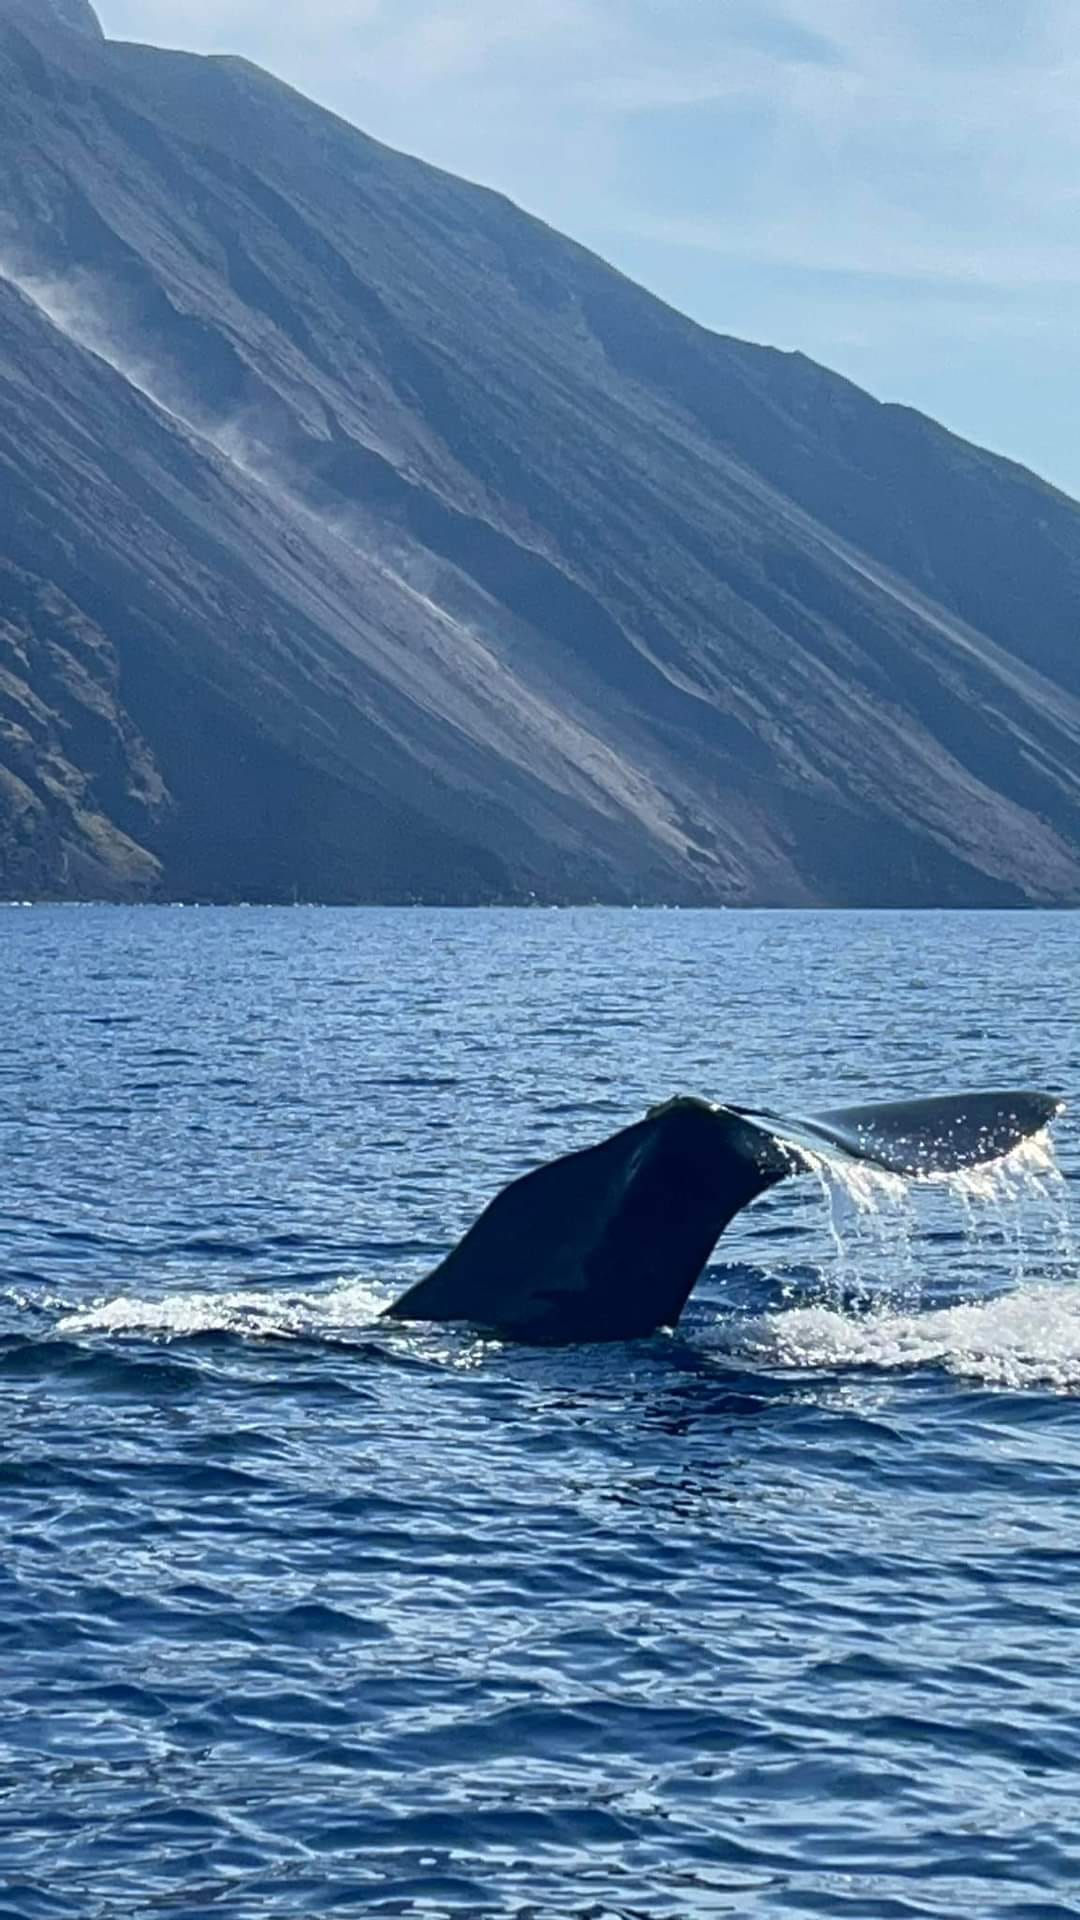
(874, 1227)
(303, 1615)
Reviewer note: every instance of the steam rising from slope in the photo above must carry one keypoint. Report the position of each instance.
(464, 679)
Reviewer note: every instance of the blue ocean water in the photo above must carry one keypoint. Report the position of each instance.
(302, 1616)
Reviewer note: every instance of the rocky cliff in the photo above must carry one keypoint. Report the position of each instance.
(363, 538)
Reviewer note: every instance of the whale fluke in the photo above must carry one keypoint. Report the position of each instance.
(607, 1243)
(944, 1134)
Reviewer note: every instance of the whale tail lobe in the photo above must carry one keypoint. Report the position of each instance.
(608, 1242)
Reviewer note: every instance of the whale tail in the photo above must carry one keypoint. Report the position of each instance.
(607, 1243)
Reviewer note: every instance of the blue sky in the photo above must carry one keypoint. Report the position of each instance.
(891, 185)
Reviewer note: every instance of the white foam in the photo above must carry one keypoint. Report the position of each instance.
(348, 1306)
(1029, 1338)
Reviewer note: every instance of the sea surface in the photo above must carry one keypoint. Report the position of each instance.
(302, 1615)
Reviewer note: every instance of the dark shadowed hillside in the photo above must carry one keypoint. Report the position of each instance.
(362, 538)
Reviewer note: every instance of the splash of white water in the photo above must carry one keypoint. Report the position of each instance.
(869, 1215)
(1029, 1338)
(349, 1306)
(874, 1212)
(1031, 1167)
(1026, 1337)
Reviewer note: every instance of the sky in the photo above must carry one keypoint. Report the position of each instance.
(892, 186)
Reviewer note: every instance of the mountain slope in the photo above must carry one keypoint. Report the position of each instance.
(407, 551)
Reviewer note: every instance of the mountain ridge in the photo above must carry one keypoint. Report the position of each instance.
(74, 16)
(553, 593)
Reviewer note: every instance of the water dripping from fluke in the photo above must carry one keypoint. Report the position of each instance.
(1008, 1219)
(1014, 1320)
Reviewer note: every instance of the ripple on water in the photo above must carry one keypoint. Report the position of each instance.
(305, 1614)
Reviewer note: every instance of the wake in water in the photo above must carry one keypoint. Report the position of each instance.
(1011, 1213)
